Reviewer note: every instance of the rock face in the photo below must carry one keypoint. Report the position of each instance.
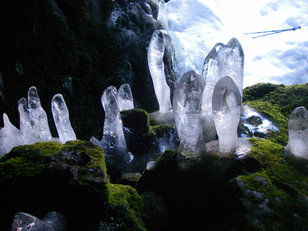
(298, 133)
(187, 111)
(226, 103)
(95, 43)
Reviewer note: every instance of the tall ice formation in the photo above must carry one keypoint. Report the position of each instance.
(61, 118)
(125, 97)
(298, 133)
(226, 102)
(113, 140)
(38, 115)
(155, 56)
(187, 111)
(223, 60)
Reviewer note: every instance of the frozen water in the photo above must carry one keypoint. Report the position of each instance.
(61, 118)
(162, 16)
(10, 136)
(40, 125)
(155, 56)
(223, 60)
(227, 112)
(53, 221)
(187, 111)
(298, 133)
(125, 98)
(113, 141)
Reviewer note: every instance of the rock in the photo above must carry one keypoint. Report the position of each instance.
(70, 179)
(254, 120)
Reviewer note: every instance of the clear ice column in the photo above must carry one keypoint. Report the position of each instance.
(187, 111)
(226, 103)
(155, 56)
(298, 133)
(61, 118)
(222, 60)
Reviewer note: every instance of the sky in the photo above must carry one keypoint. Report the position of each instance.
(197, 25)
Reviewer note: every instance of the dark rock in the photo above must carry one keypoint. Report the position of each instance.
(254, 120)
(259, 134)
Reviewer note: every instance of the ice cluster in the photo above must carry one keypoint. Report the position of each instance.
(125, 97)
(53, 221)
(298, 133)
(34, 123)
(113, 141)
(223, 60)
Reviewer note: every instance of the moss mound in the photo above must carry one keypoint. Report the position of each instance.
(70, 179)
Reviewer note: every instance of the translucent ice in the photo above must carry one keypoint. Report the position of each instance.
(162, 16)
(125, 97)
(155, 56)
(298, 133)
(61, 118)
(10, 136)
(223, 60)
(187, 111)
(227, 112)
(39, 116)
(53, 221)
(113, 141)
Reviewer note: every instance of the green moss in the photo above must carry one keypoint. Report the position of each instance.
(31, 160)
(161, 130)
(126, 202)
(279, 185)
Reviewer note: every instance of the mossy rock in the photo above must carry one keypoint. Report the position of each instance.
(274, 197)
(70, 179)
(127, 207)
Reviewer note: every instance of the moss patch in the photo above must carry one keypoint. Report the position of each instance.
(128, 206)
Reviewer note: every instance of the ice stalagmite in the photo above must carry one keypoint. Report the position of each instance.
(223, 60)
(226, 103)
(125, 97)
(187, 111)
(113, 141)
(39, 116)
(155, 56)
(298, 133)
(61, 118)
(10, 136)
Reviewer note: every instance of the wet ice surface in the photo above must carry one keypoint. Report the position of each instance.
(62, 120)
(155, 56)
(187, 111)
(226, 105)
(298, 133)
(125, 97)
(53, 221)
(264, 126)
